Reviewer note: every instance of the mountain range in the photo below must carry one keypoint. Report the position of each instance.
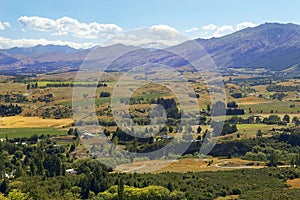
(272, 46)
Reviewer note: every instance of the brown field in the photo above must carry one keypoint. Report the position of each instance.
(62, 76)
(232, 86)
(198, 165)
(4, 77)
(188, 165)
(295, 183)
(72, 75)
(12, 87)
(251, 100)
(289, 83)
(260, 88)
(33, 122)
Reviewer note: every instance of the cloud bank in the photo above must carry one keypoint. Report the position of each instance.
(67, 25)
(212, 30)
(157, 35)
(209, 27)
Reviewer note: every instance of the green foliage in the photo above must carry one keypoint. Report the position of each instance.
(286, 118)
(232, 104)
(226, 129)
(18, 195)
(272, 119)
(146, 193)
(278, 96)
(259, 133)
(237, 95)
(10, 110)
(273, 159)
(260, 156)
(29, 132)
(296, 120)
(104, 94)
(240, 120)
(282, 88)
(121, 190)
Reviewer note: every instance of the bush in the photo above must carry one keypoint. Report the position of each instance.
(104, 94)
(237, 95)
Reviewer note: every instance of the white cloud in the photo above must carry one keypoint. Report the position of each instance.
(67, 25)
(245, 25)
(7, 24)
(223, 30)
(163, 31)
(157, 34)
(6, 43)
(209, 27)
(38, 23)
(191, 30)
(4, 25)
(212, 30)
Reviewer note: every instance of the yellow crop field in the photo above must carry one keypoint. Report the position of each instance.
(33, 122)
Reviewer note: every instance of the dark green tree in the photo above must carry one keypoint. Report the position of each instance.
(286, 118)
(259, 133)
(120, 189)
(273, 159)
(199, 129)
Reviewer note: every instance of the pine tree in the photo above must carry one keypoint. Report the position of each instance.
(120, 189)
(199, 129)
(170, 187)
(259, 133)
(273, 160)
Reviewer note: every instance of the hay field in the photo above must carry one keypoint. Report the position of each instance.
(33, 122)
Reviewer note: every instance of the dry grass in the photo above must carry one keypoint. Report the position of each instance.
(72, 75)
(294, 184)
(251, 100)
(289, 83)
(33, 122)
(12, 87)
(260, 88)
(186, 165)
(211, 164)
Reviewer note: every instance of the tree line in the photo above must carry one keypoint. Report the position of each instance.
(98, 85)
(10, 110)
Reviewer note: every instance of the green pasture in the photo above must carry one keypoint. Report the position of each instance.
(282, 107)
(28, 132)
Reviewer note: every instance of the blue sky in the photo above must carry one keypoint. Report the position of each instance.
(193, 18)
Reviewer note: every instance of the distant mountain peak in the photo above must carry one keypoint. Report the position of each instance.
(41, 49)
(270, 45)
